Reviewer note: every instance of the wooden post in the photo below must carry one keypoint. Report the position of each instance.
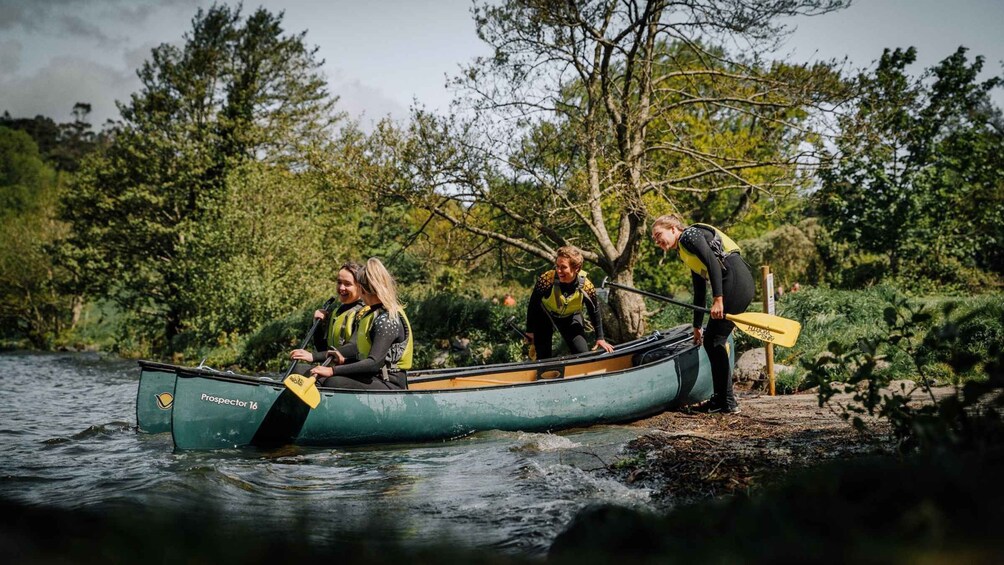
(768, 307)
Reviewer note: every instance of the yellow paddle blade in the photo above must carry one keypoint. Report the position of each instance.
(767, 327)
(304, 388)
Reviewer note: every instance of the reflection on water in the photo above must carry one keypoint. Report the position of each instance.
(68, 440)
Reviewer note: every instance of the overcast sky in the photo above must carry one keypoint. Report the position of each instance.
(381, 55)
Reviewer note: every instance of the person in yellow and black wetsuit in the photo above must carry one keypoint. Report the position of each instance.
(713, 258)
(381, 349)
(336, 327)
(557, 301)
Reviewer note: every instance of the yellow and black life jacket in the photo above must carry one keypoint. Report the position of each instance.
(340, 328)
(560, 305)
(400, 354)
(722, 247)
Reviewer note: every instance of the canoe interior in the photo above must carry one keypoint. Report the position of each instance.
(529, 375)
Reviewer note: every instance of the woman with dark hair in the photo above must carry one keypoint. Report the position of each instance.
(558, 300)
(336, 327)
(713, 258)
(381, 349)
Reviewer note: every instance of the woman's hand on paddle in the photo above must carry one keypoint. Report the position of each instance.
(320, 314)
(322, 371)
(718, 308)
(529, 338)
(606, 346)
(301, 355)
(698, 336)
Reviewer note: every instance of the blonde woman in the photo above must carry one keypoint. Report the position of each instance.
(558, 300)
(715, 260)
(382, 346)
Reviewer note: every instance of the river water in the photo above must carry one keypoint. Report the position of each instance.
(68, 441)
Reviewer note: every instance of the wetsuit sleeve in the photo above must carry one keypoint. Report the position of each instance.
(386, 331)
(700, 297)
(696, 242)
(535, 308)
(351, 349)
(592, 303)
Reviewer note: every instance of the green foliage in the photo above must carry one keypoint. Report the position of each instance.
(917, 175)
(62, 146)
(442, 320)
(267, 349)
(790, 250)
(590, 118)
(206, 215)
(849, 317)
(31, 306)
(918, 418)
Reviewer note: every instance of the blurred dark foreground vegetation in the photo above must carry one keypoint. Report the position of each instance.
(936, 508)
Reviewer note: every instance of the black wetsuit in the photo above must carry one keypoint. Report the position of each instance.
(734, 283)
(385, 333)
(571, 327)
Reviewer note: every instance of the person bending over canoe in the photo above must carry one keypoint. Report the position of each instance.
(381, 348)
(557, 301)
(336, 329)
(712, 258)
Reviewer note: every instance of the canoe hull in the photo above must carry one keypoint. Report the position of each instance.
(214, 412)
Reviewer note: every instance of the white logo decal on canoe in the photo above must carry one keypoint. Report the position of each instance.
(249, 404)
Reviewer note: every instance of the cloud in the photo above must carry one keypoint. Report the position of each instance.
(81, 18)
(365, 103)
(54, 89)
(10, 56)
(78, 27)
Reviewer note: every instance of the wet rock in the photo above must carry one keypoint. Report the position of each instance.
(751, 369)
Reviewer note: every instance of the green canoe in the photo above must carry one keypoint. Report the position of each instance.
(155, 397)
(213, 410)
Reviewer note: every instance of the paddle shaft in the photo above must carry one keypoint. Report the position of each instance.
(310, 334)
(655, 296)
(774, 326)
(511, 322)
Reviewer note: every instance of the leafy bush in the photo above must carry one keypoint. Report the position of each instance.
(972, 419)
(268, 348)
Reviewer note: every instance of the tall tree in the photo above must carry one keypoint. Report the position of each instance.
(592, 116)
(918, 171)
(237, 91)
(30, 304)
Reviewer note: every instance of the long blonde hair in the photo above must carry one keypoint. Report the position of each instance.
(375, 279)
